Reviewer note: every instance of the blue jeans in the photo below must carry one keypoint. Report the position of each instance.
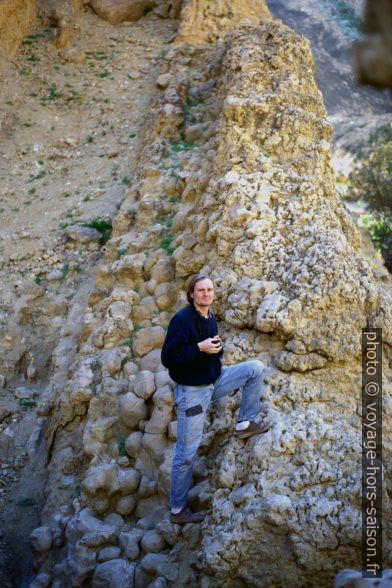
(192, 403)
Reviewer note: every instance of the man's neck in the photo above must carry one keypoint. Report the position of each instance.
(203, 310)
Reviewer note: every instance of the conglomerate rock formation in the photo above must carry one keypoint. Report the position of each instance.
(373, 53)
(16, 18)
(234, 179)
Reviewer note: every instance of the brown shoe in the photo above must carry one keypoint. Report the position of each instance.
(253, 429)
(186, 516)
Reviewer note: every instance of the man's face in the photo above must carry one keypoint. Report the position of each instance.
(203, 294)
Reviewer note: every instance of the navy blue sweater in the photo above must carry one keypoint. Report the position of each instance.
(180, 354)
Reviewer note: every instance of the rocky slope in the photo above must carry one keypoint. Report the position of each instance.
(234, 178)
(354, 111)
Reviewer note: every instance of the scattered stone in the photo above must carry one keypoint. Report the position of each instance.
(129, 481)
(158, 583)
(114, 573)
(152, 542)
(155, 444)
(116, 11)
(42, 580)
(41, 539)
(125, 505)
(191, 534)
(130, 369)
(132, 409)
(129, 542)
(194, 132)
(82, 234)
(168, 531)
(73, 55)
(146, 523)
(108, 553)
(148, 339)
(111, 360)
(151, 562)
(147, 487)
(144, 384)
(102, 477)
(162, 379)
(163, 81)
(198, 92)
(54, 275)
(168, 570)
(152, 361)
(133, 444)
(142, 578)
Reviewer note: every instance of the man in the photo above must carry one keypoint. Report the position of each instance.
(192, 352)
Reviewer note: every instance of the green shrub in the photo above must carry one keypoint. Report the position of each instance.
(380, 231)
(371, 181)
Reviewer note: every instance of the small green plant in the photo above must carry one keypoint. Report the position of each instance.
(31, 39)
(64, 272)
(182, 145)
(89, 139)
(175, 199)
(128, 341)
(32, 57)
(76, 268)
(100, 55)
(101, 224)
(166, 219)
(121, 445)
(38, 176)
(124, 360)
(126, 181)
(27, 501)
(76, 492)
(27, 402)
(166, 243)
(121, 251)
(52, 95)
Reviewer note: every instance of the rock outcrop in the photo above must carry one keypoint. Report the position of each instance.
(204, 21)
(373, 53)
(16, 18)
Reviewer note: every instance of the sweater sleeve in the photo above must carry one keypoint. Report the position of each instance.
(176, 348)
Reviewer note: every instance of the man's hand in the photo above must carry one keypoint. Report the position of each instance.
(211, 345)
